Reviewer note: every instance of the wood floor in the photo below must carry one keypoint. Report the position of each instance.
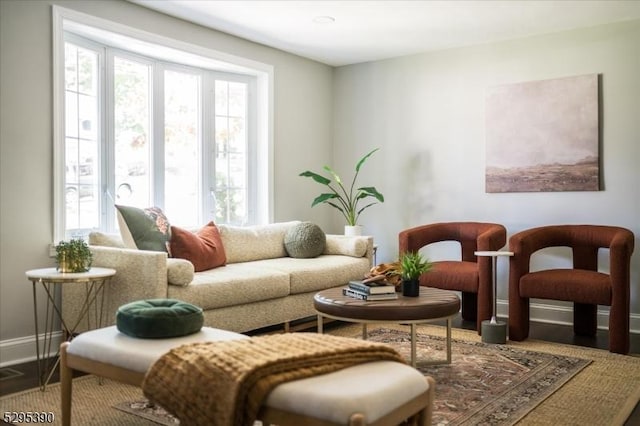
(539, 331)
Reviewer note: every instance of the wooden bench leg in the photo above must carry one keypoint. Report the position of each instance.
(66, 376)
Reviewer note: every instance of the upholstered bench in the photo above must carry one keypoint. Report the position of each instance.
(375, 393)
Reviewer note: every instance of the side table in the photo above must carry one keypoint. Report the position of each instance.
(94, 280)
(494, 331)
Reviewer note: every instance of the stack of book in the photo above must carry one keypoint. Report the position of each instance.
(370, 290)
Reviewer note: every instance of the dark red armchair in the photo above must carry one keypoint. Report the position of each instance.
(470, 275)
(583, 284)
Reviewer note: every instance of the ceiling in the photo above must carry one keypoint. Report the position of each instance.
(359, 31)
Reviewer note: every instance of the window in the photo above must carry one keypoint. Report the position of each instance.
(145, 129)
(82, 136)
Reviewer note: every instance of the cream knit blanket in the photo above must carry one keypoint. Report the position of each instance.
(225, 383)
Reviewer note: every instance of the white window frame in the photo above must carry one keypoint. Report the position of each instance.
(67, 19)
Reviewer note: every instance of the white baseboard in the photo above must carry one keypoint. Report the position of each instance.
(554, 314)
(23, 349)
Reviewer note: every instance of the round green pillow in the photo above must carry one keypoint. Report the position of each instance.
(305, 240)
(159, 318)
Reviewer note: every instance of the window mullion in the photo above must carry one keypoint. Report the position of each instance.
(157, 134)
(108, 148)
(252, 154)
(208, 146)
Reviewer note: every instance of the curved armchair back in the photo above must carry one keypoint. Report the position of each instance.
(579, 284)
(471, 275)
(584, 241)
(472, 236)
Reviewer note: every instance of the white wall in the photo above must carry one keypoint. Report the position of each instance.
(302, 132)
(426, 112)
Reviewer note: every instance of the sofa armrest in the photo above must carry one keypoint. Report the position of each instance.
(139, 275)
(358, 246)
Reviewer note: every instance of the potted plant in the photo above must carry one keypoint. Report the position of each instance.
(412, 265)
(346, 200)
(73, 256)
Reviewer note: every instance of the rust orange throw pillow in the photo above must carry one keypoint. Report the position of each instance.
(204, 248)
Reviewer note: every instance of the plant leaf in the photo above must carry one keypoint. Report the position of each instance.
(334, 174)
(368, 205)
(323, 198)
(363, 159)
(318, 178)
(373, 192)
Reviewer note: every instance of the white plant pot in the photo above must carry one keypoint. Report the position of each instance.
(352, 231)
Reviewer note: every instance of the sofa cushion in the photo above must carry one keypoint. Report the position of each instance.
(235, 284)
(203, 248)
(346, 246)
(144, 229)
(179, 271)
(304, 240)
(159, 318)
(97, 238)
(247, 243)
(322, 272)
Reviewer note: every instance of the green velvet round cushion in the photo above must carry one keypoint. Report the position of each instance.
(305, 240)
(159, 318)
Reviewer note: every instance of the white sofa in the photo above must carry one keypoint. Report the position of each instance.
(259, 286)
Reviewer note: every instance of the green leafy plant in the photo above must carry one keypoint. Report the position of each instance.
(346, 201)
(412, 265)
(73, 256)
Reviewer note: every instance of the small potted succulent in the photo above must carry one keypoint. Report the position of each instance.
(412, 265)
(73, 256)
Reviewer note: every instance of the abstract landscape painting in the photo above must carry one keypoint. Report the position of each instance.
(543, 136)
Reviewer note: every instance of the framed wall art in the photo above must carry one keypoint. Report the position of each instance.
(543, 136)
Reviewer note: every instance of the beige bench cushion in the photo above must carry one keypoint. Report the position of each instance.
(109, 346)
(373, 388)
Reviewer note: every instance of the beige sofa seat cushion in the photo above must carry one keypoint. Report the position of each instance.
(233, 284)
(318, 273)
(247, 243)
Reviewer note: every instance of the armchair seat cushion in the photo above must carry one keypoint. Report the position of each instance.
(574, 285)
(452, 275)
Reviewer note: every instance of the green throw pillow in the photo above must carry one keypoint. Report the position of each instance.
(305, 240)
(144, 229)
(159, 318)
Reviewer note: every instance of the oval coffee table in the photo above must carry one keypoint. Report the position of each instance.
(432, 304)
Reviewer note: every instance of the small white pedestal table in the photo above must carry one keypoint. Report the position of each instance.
(494, 331)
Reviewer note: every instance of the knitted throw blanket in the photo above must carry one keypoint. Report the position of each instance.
(225, 383)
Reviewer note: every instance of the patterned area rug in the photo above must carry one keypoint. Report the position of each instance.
(484, 385)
